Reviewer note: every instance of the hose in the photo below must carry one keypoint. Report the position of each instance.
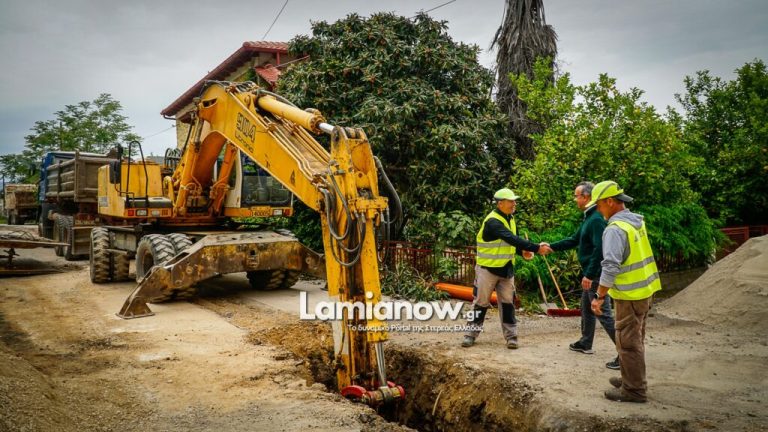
(392, 194)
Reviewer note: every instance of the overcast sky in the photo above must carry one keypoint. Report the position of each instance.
(147, 53)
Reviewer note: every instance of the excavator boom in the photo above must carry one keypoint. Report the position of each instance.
(341, 184)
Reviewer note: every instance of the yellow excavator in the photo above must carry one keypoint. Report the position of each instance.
(179, 225)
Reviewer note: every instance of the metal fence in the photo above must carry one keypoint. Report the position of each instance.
(738, 236)
(424, 259)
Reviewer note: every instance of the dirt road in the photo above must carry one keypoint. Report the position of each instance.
(244, 361)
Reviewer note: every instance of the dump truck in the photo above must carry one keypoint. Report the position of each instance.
(249, 152)
(68, 200)
(20, 203)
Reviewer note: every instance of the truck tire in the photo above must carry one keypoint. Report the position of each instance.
(180, 242)
(12, 218)
(266, 280)
(153, 249)
(68, 237)
(46, 226)
(57, 236)
(100, 262)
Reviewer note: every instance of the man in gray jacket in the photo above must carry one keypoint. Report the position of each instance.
(630, 277)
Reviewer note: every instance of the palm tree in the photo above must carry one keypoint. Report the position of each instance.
(523, 37)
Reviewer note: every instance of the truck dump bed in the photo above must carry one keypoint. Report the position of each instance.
(75, 179)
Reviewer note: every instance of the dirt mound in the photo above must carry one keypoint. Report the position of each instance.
(28, 398)
(733, 293)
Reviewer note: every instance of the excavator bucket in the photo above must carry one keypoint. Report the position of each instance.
(218, 254)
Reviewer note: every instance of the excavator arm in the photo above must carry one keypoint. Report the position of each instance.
(342, 185)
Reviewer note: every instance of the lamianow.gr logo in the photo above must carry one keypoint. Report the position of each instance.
(384, 310)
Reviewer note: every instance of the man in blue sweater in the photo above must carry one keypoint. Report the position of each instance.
(588, 240)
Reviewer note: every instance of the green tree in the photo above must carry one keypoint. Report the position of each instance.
(94, 126)
(422, 98)
(597, 132)
(726, 124)
(19, 168)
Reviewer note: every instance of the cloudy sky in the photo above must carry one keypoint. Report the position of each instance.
(147, 53)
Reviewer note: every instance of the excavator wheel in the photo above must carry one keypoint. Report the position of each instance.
(100, 259)
(180, 242)
(266, 280)
(157, 249)
(290, 279)
(120, 265)
(153, 249)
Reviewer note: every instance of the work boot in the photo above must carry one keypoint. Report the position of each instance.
(615, 381)
(619, 395)
(468, 341)
(578, 347)
(615, 365)
(512, 343)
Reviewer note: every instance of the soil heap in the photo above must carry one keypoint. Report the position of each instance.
(733, 293)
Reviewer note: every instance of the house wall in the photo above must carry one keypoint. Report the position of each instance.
(241, 74)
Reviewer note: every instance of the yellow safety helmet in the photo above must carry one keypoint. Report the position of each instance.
(608, 189)
(505, 194)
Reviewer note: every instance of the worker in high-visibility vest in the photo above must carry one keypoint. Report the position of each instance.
(630, 277)
(497, 246)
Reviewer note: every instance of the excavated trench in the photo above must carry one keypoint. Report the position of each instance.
(441, 394)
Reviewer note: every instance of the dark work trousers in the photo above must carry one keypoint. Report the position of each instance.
(588, 317)
(630, 343)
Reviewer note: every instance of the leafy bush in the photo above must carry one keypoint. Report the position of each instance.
(597, 132)
(682, 229)
(423, 100)
(444, 229)
(403, 281)
(725, 126)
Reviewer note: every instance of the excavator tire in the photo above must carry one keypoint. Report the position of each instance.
(180, 241)
(153, 249)
(100, 259)
(290, 279)
(120, 265)
(266, 280)
(156, 249)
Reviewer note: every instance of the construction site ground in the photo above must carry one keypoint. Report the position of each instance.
(236, 359)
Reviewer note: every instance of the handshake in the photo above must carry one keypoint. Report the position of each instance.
(544, 249)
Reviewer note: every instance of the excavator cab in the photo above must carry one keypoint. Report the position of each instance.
(260, 188)
(255, 193)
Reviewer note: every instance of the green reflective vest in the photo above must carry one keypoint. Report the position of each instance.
(638, 278)
(498, 252)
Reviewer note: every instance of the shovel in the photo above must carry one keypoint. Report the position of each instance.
(546, 305)
(555, 311)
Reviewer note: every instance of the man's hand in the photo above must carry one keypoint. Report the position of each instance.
(544, 249)
(528, 255)
(597, 305)
(586, 283)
